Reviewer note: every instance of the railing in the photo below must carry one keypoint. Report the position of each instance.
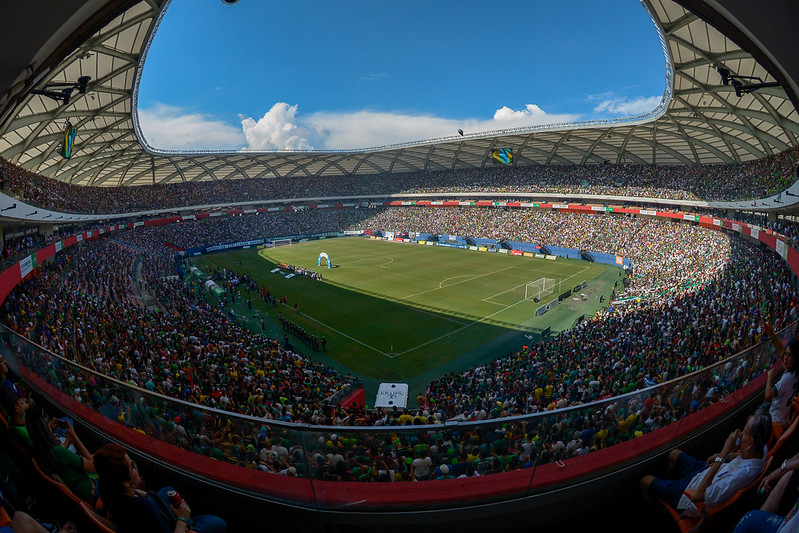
(324, 467)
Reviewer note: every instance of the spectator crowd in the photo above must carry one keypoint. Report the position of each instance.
(710, 301)
(717, 182)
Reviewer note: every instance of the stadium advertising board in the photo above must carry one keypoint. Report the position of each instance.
(218, 247)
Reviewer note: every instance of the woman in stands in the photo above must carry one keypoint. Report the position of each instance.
(56, 457)
(781, 393)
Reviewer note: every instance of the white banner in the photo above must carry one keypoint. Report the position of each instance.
(782, 249)
(392, 395)
(25, 266)
(59, 245)
(755, 232)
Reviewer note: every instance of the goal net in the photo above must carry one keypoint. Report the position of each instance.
(281, 242)
(539, 288)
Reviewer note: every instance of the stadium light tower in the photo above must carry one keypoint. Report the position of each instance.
(741, 88)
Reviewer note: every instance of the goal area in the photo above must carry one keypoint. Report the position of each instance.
(540, 288)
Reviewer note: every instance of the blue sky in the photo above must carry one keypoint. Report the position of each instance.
(309, 74)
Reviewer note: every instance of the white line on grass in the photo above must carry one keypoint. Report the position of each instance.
(503, 292)
(345, 335)
(441, 285)
(477, 321)
(457, 282)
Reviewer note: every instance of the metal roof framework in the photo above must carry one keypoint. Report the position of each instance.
(698, 121)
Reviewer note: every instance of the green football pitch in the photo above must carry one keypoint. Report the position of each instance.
(408, 312)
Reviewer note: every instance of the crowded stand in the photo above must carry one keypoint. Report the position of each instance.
(751, 180)
(87, 307)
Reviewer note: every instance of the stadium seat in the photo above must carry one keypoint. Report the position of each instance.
(101, 524)
(56, 485)
(688, 524)
(5, 520)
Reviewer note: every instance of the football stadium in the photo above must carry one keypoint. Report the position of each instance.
(525, 326)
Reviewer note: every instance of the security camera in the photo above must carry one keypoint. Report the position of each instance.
(230, 2)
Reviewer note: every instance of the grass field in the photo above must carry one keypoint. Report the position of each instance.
(399, 311)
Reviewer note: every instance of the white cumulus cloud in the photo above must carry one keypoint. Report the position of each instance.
(170, 128)
(284, 128)
(278, 130)
(628, 106)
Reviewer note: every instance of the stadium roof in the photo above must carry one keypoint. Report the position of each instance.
(698, 121)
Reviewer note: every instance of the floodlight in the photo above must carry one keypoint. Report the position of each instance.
(728, 78)
(64, 92)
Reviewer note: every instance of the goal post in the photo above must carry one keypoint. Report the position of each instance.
(281, 242)
(539, 288)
